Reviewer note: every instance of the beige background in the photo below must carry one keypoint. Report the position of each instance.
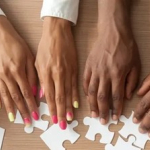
(24, 15)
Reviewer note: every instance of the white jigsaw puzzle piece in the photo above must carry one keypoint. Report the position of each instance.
(54, 136)
(130, 128)
(2, 132)
(122, 145)
(40, 124)
(96, 127)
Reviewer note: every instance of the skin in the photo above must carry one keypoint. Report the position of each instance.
(142, 111)
(17, 73)
(112, 68)
(56, 64)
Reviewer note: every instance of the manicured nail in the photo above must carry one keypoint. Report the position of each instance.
(11, 117)
(63, 125)
(103, 121)
(35, 115)
(54, 119)
(34, 90)
(69, 116)
(115, 117)
(27, 122)
(41, 93)
(135, 120)
(76, 104)
(94, 114)
(143, 131)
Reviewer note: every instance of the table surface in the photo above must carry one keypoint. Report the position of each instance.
(24, 15)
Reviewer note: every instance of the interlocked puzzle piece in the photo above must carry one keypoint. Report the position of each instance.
(96, 127)
(2, 132)
(130, 128)
(43, 125)
(122, 145)
(54, 136)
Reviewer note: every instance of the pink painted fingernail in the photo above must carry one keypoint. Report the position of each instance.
(34, 90)
(41, 93)
(54, 119)
(35, 115)
(27, 122)
(69, 116)
(63, 125)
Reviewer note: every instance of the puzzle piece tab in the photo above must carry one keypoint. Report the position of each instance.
(130, 128)
(96, 127)
(2, 132)
(54, 136)
(122, 145)
(40, 124)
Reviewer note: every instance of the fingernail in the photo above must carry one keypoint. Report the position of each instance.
(93, 114)
(143, 131)
(27, 122)
(63, 125)
(76, 104)
(103, 121)
(54, 119)
(115, 117)
(35, 115)
(34, 90)
(135, 120)
(41, 93)
(11, 117)
(69, 116)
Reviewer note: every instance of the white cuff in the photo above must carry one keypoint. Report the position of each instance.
(1, 12)
(66, 9)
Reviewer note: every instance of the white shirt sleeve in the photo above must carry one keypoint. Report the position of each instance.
(1, 12)
(66, 9)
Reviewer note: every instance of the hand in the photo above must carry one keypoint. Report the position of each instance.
(112, 68)
(17, 74)
(56, 63)
(142, 111)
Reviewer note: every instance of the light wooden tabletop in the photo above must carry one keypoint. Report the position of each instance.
(24, 15)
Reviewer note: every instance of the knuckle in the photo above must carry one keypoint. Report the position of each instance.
(101, 97)
(16, 69)
(68, 91)
(92, 90)
(60, 99)
(49, 96)
(144, 105)
(4, 93)
(116, 97)
(59, 69)
(15, 97)
(26, 94)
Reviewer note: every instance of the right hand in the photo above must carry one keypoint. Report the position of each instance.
(18, 79)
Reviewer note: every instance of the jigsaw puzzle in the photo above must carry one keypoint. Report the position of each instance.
(54, 136)
(40, 124)
(122, 145)
(130, 128)
(2, 132)
(96, 127)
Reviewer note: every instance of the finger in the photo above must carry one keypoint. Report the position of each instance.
(0, 102)
(60, 98)
(92, 95)
(50, 96)
(32, 78)
(9, 105)
(103, 100)
(26, 91)
(141, 108)
(132, 80)
(68, 93)
(86, 79)
(75, 94)
(145, 125)
(118, 87)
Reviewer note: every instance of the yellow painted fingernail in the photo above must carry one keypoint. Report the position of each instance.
(76, 104)
(69, 116)
(11, 117)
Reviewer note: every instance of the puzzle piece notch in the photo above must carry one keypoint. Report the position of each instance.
(122, 145)
(54, 137)
(43, 125)
(2, 132)
(96, 127)
(130, 128)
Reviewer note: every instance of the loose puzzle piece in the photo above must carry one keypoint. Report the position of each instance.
(2, 132)
(130, 128)
(96, 127)
(54, 136)
(43, 125)
(122, 145)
